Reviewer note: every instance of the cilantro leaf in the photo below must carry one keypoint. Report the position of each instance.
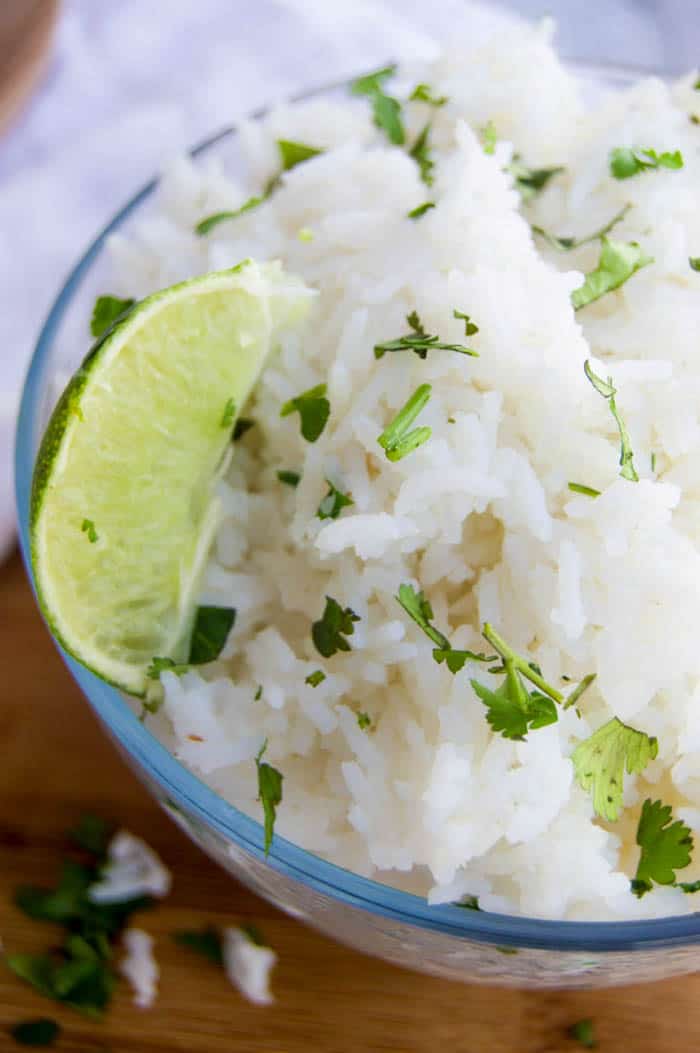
(229, 413)
(333, 503)
(489, 138)
(694, 262)
(315, 678)
(424, 93)
(600, 762)
(608, 391)
(288, 477)
(329, 632)
(396, 440)
(206, 942)
(210, 633)
(269, 793)
(469, 902)
(456, 660)
(626, 162)
(88, 527)
(419, 609)
(565, 244)
(421, 154)
(531, 181)
(106, 311)
(420, 210)
(159, 665)
(39, 1032)
(210, 222)
(583, 1033)
(469, 327)
(618, 261)
(386, 110)
(293, 154)
(420, 342)
(84, 984)
(364, 721)
(92, 834)
(313, 408)
(512, 710)
(666, 846)
(579, 488)
(242, 425)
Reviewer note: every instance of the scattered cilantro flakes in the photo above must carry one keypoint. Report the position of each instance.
(566, 244)
(652, 461)
(364, 721)
(666, 846)
(424, 93)
(39, 1032)
(330, 631)
(313, 408)
(206, 942)
(88, 527)
(531, 181)
(469, 902)
(242, 425)
(420, 342)
(608, 391)
(293, 154)
(258, 694)
(210, 633)
(420, 210)
(421, 154)
(269, 793)
(315, 678)
(583, 1033)
(694, 119)
(694, 262)
(333, 503)
(489, 138)
(469, 327)
(106, 311)
(626, 162)
(618, 261)
(396, 440)
(600, 762)
(229, 413)
(689, 887)
(386, 110)
(580, 488)
(288, 477)
(210, 222)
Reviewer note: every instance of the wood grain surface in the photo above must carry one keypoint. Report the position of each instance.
(56, 764)
(26, 28)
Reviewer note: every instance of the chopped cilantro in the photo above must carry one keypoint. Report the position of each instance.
(419, 609)
(313, 408)
(626, 162)
(209, 222)
(652, 461)
(565, 244)
(531, 181)
(694, 262)
(258, 694)
(608, 391)
(420, 152)
(92, 834)
(293, 154)
(489, 138)
(424, 93)
(580, 488)
(455, 659)
(666, 846)
(420, 210)
(364, 721)
(600, 762)
(206, 942)
(506, 950)
(385, 109)
(469, 327)
(210, 633)
(228, 414)
(469, 902)
(288, 477)
(39, 1032)
(88, 527)
(106, 311)
(315, 678)
(305, 234)
(696, 86)
(333, 503)
(583, 1033)
(689, 887)
(618, 261)
(420, 342)
(159, 665)
(242, 425)
(269, 793)
(396, 440)
(330, 631)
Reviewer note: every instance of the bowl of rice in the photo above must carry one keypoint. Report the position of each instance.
(465, 556)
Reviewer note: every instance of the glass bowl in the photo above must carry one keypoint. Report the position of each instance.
(402, 928)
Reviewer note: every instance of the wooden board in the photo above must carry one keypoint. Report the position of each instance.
(26, 28)
(56, 764)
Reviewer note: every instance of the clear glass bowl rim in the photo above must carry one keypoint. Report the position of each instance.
(189, 792)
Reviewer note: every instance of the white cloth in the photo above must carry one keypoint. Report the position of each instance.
(131, 83)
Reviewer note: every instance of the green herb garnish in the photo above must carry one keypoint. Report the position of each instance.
(420, 342)
(329, 632)
(269, 793)
(419, 609)
(587, 491)
(92, 834)
(206, 942)
(694, 262)
(159, 665)
(313, 408)
(106, 311)
(209, 222)
(242, 425)
(666, 846)
(469, 327)
(88, 527)
(608, 391)
(489, 138)
(258, 693)
(333, 503)
(531, 181)
(39, 1032)
(228, 414)
(293, 154)
(420, 152)
(396, 440)
(565, 244)
(364, 721)
(315, 678)
(211, 628)
(618, 261)
(386, 110)
(601, 760)
(583, 1033)
(626, 162)
(424, 93)
(420, 210)
(469, 902)
(288, 477)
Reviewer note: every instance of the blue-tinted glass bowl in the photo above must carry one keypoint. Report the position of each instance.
(444, 940)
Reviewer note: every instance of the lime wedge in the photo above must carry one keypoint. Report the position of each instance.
(123, 503)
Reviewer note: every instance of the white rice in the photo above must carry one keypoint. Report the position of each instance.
(480, 516)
